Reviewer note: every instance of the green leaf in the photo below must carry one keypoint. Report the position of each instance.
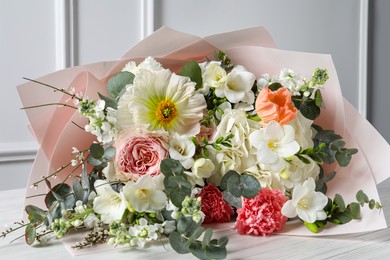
(116, 85)
(339, 201)
(343, 158)
(109, 101)
(329, 176)
(371, 204)
(250, 186)
(341, 218)
(30, 234)
(207, 236)
(197, 233)
(178, 194)
(193, 71)
(223, 241)
(171, 167)
(35, 214)
(361, 197)
(197, 250)
(97, 151)
(94, 162)
(309, 110)
(62, 193)
(232, 200)
(185, 225)
(78, 190)
(216, 252)
(337, 144)
(355, 210)
(226, 177)
(233, 185)
(275, 86)
(109, 153)
(178, 243)
(318, 98)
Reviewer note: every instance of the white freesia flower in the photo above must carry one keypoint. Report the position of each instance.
(108, 203)
(303, 131)
(203, 168)
(148, 64)
(144, 195)
(238, 86)
(297, 172)
(306, 203)
(214, 76)
(109, 171)
(161, 100)
(181, 148)
(274, 143)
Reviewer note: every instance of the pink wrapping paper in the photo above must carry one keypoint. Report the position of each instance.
(252, 48)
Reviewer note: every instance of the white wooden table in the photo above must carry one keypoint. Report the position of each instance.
(373, 245)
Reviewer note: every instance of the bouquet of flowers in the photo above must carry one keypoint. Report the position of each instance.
(161, 145)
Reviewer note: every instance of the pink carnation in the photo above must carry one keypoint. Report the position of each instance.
(138, 154)
(261, 215)
(215, 208)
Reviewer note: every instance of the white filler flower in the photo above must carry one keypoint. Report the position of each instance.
(307, 203)
(181, 148)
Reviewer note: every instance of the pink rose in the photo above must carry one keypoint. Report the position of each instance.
(138, 154)
(215, 208)
(275, 106)
(261, 215)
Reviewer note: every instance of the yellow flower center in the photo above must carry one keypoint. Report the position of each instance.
(303, 203)
(166, 112)
(272, 145)
(142, 193)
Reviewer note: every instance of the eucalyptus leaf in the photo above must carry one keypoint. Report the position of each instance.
(109, 153)
(216, 252)
(225, 178)
(186, 225)
(232, 200)
(207, 236)
(35, 214)
(178, 243)
(341, 218)
(94, 162)
(197, 250)
(223, 241)
(233, 185)
(178, 194)
(361, 197)
(30, 234)
(116, 85)
(78, 190)
(343, 159)
(197, 233)
(275, 86)
(250, 186)
(339, 201)
(97, 151)
(193, 71)
(110, 102)
(355, 210)
(171, 167)
(318, 98)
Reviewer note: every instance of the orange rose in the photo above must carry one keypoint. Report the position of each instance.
(275, 105)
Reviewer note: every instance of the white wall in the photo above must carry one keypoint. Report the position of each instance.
(41, 36)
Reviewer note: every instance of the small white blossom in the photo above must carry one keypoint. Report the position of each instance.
(307, 203)
(181, 148)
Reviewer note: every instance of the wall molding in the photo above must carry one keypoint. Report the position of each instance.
(147, 18)
(64, 32)
(18, 151)
(363, 57)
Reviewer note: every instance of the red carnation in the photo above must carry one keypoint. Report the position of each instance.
(261, 215)
(215, 208)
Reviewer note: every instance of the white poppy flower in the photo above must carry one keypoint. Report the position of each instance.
(108, 203)
(144, 195)
(306, 203)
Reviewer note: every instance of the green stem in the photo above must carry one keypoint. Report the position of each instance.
(50, 104)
